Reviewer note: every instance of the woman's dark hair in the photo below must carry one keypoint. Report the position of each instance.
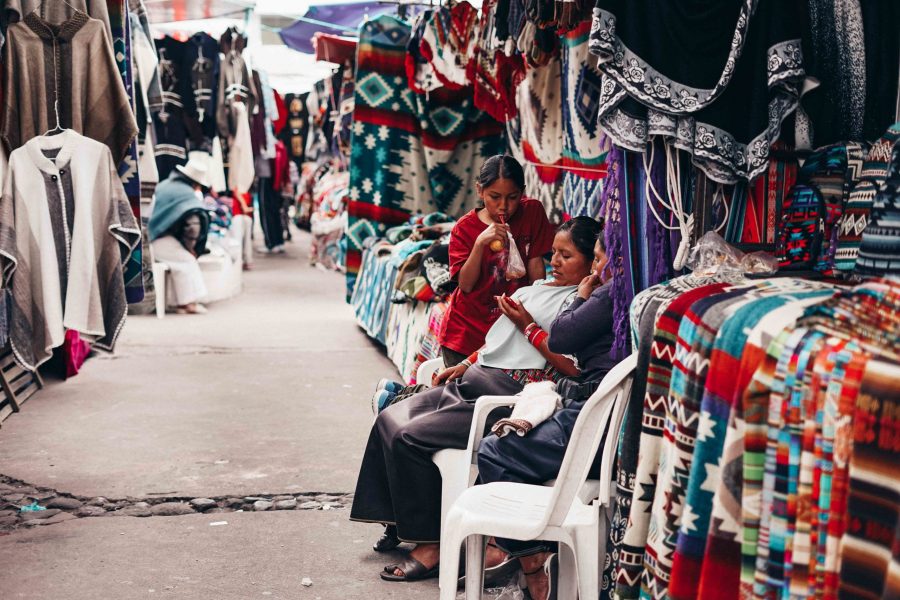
(600, 237)
(585, 231)
(501, 166)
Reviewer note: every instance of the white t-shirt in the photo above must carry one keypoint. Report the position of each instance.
(505, 346)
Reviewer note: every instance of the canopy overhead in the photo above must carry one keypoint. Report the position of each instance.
(333, 19)
(167, 11)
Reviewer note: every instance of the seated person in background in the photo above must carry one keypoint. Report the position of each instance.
(178, 228)
(398, 484)
(584, 330)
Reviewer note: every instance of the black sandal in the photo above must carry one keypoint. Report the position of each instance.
(412, 569)
(388, 541)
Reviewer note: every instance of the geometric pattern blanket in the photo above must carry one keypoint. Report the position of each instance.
(409, 153)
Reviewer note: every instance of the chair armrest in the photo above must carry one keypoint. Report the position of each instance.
(427, 370)
(483, 408)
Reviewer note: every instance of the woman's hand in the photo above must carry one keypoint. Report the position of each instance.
(448, 375)
(494, 232)
(515, 312)
(588, 285)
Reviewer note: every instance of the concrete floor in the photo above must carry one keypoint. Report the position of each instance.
(267, 394)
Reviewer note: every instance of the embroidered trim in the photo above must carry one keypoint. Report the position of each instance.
(723, 158)
(648, 85)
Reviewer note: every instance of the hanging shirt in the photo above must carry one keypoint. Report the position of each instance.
(470, 315)
(201, 56)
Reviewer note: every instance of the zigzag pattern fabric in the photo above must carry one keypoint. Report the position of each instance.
(879, 249)
(409, 153)
(772, 465)
(862, 197)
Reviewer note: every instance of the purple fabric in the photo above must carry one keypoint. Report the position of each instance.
(614, 190)
(348, 15)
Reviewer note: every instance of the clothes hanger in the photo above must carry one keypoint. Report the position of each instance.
(59, 128)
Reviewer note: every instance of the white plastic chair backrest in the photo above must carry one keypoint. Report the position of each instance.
(428, 369)
(611, 445)
(606, 402)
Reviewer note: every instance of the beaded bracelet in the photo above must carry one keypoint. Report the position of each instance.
(537, 337)
(529, 329)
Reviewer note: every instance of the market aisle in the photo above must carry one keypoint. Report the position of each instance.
(266, 394)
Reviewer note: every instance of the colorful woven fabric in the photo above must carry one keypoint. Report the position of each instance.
(870, 548)
(879, 248)
(628, 558)
(695, 339)
(495, 75)
(861, 198)
(585, 148)
(120, 26)
(720, 390)
(448, 43)
(409, 153)
(637, 562)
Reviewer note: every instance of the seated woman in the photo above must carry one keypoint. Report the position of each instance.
(584, 330)
(398, 484)
(178, 228)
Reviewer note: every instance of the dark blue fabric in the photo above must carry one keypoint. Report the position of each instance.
(174, 198)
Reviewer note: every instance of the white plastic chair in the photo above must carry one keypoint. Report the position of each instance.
(534, 512)
(457, 471)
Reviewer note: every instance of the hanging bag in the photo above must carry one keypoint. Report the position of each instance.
(515, 266)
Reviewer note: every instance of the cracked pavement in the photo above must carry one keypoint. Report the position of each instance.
(264, 397)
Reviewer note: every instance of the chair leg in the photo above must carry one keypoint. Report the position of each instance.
(475, 566)
(449, 566)
(587, 557)
(566, 585)
(159, 283)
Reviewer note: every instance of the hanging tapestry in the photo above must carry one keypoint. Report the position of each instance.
(536, 137)
(879, 249)
(409, 153)
(584, 146)
(707, 80)
(120, 26)
(448, 43)
(495, 75)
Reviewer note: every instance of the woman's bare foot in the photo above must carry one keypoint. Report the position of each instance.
(535, 577)
(427, 554)
(494, 555)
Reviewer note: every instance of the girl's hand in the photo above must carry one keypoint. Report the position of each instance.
(588, 285)
(495, 232)
(448, 375)
(515, 312)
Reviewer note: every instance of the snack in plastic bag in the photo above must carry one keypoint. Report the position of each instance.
(515, 266)
(712, 254)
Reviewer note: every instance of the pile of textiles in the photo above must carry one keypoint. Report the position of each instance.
(758, 456)
(328, 220)
(404, 277)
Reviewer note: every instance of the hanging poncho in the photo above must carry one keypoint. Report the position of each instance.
(715, 78)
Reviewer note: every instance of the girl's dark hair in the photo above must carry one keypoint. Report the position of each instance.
(501, 166)
(585, 231)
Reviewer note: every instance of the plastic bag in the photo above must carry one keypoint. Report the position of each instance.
(712, 254)
(515, 266)
(761, 263)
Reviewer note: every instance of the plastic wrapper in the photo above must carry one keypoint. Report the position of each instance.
(759, 263)
(712, 255)
(515, 266)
